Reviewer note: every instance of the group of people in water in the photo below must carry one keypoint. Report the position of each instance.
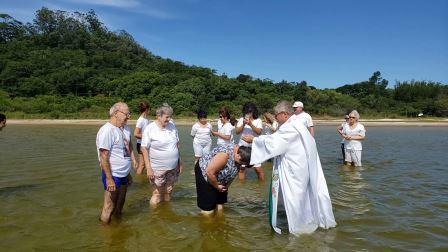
(285, 137)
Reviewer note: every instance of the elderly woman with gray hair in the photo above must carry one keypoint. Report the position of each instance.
(353, 132)
(160, 143)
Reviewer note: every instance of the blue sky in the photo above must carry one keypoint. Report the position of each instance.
(326, 43)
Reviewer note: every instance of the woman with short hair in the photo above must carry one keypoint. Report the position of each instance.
(215, 172)
(160, 143)
(353, 133)
(201, 133)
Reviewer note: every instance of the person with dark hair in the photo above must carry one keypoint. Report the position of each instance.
(201, 133)
(340, 131)
(2, 121)
(251, 125)
(215, 172)
(140, 126)
(224, 133)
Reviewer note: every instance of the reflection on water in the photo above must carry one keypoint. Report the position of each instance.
(51, 196)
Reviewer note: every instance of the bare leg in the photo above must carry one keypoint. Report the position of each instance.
(156, 196)
(242, 174)
(207, 213)
(120, 200)
(110, 201)
(260, 173)
(168, 190)
(141, 164)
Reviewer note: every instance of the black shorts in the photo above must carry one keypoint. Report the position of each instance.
(139, 150)
(208, 196)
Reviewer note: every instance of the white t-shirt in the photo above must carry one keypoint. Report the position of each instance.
(306, 119)
(247, 130)
(114, 140)
(359, 130)
(201, 134)
(141, 124)
(162, 145)
(268, 131)
(225, 130)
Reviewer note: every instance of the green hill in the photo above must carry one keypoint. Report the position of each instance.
(69, 65)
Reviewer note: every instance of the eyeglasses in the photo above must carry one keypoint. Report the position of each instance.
(278, 114)
(128, 115)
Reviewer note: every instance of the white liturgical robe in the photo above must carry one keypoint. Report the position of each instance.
(298, 170)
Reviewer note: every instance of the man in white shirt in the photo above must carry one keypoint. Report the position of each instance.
(297, 174)
(303, 117)
(114, 155)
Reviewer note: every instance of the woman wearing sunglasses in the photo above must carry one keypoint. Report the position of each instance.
(353, 133)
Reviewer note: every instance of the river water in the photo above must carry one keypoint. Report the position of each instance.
(51, 195)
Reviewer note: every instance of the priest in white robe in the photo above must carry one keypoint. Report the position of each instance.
(297, 172)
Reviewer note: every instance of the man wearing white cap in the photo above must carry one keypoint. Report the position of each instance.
(303, 117)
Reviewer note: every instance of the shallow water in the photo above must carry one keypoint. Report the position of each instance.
(51, 195)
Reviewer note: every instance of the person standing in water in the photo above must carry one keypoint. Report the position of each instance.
(114, 156)
(201, 133)
(142, 122)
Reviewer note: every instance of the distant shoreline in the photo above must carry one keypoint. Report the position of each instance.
(191, 121)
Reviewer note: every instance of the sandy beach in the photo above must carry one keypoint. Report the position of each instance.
(191, 121)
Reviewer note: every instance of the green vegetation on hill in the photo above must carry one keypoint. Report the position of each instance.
(69, 65)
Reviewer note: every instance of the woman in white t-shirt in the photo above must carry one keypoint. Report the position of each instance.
(270, 125)
(142, 122)
(224, 134)
(160, 148)
(201, 133)
(353, 133)
(250, 124)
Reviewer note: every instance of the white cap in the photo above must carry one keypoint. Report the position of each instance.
(297, 104)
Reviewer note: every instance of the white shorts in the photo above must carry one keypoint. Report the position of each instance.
(201, 149)
(353, 156)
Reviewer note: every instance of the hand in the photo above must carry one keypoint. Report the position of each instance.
(248, 138)
(135, 165)
(150, 174)
(222, 188)
(110, 185)
(215, 133)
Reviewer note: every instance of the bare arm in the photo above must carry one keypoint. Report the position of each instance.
(149, 171)
(138, 133)
(216, 164)
(311, 129)
(105, 166)
(225, 137)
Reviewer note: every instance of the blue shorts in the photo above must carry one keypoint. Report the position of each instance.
(118, 181)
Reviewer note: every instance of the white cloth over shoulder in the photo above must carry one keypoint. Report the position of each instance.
(305, 193)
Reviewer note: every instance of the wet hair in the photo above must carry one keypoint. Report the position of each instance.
(116, 107)
(143, 106)
(250, 107)
(165, 109)
(244, 153)
(202, 114)
(2, 117)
